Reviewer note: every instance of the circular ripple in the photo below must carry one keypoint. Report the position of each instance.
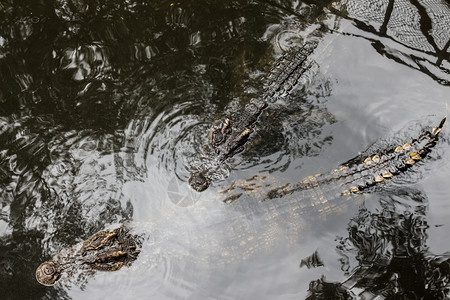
(288, 39)
(181, 194)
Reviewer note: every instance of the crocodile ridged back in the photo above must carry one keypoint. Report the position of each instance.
(288, 70)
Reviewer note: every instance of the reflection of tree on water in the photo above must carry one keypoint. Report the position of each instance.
(73, 76)
(80, 62)
(19, 252)
(392, 257)
(48, 196)
(413, 33)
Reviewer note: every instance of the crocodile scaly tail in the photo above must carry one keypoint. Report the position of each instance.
(358, 175)
(377, 168)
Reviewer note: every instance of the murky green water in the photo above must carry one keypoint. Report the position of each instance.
(105, 108)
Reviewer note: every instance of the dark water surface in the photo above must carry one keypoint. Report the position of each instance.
(106, 105)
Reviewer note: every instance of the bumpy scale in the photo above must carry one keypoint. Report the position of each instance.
(106, 250)
(109, 250)
(355, 176)
(228, 138)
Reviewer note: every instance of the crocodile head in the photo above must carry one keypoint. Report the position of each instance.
(219, 132)
(48, 273)
(198, 181)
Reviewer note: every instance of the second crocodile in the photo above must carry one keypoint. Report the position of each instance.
(228, 137)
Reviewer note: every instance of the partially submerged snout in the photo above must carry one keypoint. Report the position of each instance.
(48, 273)
(198, 181)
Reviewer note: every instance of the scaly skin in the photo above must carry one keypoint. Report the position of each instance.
(228, 137)
(356, 176)
(233, 235)
(106, 250)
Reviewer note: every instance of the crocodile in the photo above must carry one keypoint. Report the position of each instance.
(106, 250)
(228, 137)
(355, 176)
(390, 19)
(111, 249)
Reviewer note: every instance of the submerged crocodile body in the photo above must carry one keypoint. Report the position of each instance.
(111, 249)
(228, 137)
(355, 176)
(106, 250)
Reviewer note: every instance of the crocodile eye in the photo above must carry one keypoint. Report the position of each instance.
(48, 273)
(49, 270)
(198, 182)
(217, 137)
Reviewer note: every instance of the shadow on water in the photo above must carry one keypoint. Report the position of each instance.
(94, 95)
(386, 255)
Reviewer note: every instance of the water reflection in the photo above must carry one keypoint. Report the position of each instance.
(409, 32)
(98, 99)
(386, 255)
(90, 93)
